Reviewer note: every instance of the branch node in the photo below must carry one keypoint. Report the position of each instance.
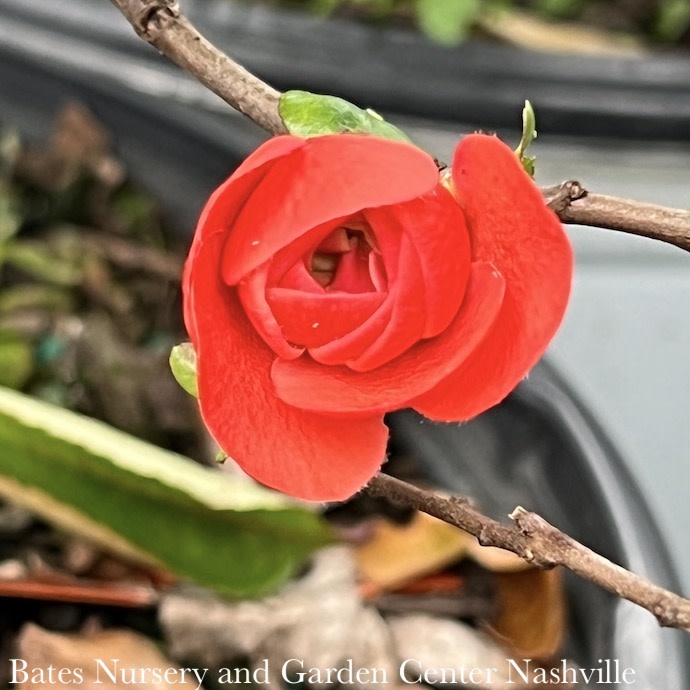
(559, 197)
(517, 513)
(530, 523)
(151, 13)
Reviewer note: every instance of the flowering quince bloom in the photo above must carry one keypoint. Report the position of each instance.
(334, 279)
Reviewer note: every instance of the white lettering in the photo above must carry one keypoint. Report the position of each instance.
(24, 677)
(292, 677)
(244, 676)
(513, 666)
(260, 675)
(22, 674)
(403, 671)
(101, 666)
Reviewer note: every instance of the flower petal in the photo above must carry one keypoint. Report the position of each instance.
(388, 239)
(436, 227)
(511, 227)
(430, 276)
(252, 294)
(407, 314)
(225, 203)
(354, 343)
(311, 456)
(311, 386)
(326, 177)
(285, 264)
(311, 320)
(270, 150)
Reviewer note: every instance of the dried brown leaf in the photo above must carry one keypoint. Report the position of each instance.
(398, 554)
(532, 612)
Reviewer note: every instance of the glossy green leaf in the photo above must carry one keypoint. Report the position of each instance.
(183, 367)
(447, 21)
(158, 507)
(308, 115)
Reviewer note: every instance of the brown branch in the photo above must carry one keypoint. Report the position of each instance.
(161, 23)
(538, 542)
(574, 204)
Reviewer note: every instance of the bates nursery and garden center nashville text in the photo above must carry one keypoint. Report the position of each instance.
(296, 672)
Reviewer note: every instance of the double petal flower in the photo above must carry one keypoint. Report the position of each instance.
(334, 279)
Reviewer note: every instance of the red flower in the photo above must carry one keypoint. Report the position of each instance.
(334, 279)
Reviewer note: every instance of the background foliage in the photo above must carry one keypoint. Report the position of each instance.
(451, 21)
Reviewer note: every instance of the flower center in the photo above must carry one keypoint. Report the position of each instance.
(323, 267)
(343, 261)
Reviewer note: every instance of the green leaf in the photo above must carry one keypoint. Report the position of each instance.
(309, 115)
(183, 367)
(35, 296)
(16, 360)
(40, 261)
(325, 7)
(529, 134)
(561, 9)
(150, 504)
(673, 20)
(10, 216)
(447, 21)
